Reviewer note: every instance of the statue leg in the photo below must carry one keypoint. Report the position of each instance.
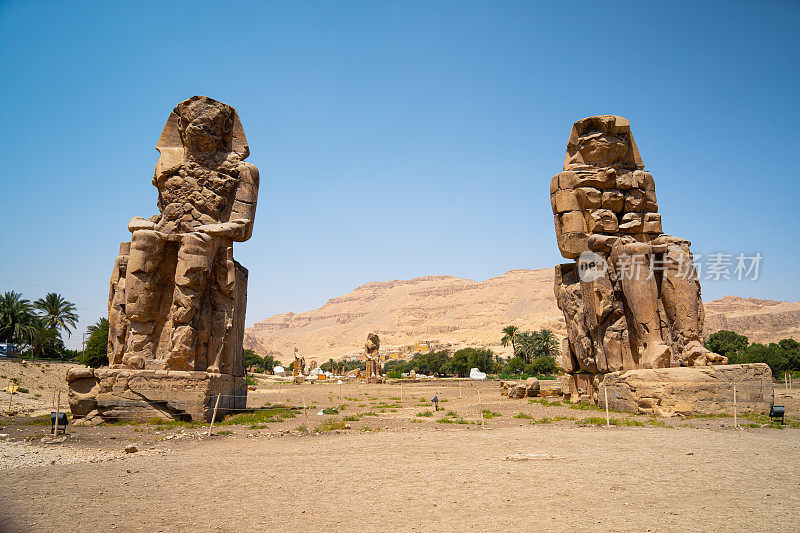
(680, 292)
(141, 296)
(223, 298)
(195, 258)
(631, 262)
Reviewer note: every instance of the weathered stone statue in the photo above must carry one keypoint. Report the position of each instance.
(177, 298)
(632, 298)
(372, 352)
(181, 283)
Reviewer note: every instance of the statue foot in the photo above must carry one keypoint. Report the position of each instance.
(213, 369)
(695, 354)
(657, 355)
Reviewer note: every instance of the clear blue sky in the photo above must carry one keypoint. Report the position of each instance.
(395, 139)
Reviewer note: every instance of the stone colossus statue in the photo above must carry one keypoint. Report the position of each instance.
(633, 298)
(177, 297)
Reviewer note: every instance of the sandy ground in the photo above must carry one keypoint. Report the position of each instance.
(388, 472)
(40, 378)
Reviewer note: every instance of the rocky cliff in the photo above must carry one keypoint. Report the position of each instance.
(463, 311)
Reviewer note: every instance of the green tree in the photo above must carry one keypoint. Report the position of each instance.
(727, 343)
(57, 312)
(17, 318)
(510, 337)
(459, 364)
(251, 359)
(514, 366)
(45, 340)
(548, 344)
(96, 353)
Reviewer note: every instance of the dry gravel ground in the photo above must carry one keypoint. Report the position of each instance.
(698, 474)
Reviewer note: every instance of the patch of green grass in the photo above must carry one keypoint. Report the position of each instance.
(451, 414)
(250, 381)
(225, 432)
(601, 421)
(594, 420)
(425, 413)
(416, 421)
(258, 426)
(330, 411)
(351, 418)
(369, 413)
(301, 429)
(655, 422)
(331, 425)
(362, 405)
(39, 421)
(542, 401)
(487, 414)
(751, 425)
(260, 416)
(22, 390)
(523, 416)
(547, 420)
(756, 417)
(452, 420)
(702, 415)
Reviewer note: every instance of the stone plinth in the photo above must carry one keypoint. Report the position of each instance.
(690, 390)
(109, 394)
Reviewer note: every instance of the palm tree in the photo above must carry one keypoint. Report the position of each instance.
(57, 312)
(527, 344)
(548, 343)
(100, 325)
(17, 319)
(510, 337)
(45, 339)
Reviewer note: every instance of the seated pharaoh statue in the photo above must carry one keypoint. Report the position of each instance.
(177, 297)
(632, 298)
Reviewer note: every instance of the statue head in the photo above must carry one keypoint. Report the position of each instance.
(373, 342)
(201, 126)
(602, 141)
(205, 125)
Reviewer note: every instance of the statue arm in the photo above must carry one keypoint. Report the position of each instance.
(239, 226)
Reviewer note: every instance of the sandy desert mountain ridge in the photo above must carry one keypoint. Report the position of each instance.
(466, 312)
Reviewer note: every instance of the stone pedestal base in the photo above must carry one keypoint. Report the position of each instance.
(687, 390)
(109, 394)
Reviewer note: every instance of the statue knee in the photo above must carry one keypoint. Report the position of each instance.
(145, 251)
(195, 258)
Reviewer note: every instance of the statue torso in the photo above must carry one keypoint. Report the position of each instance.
(193, 195)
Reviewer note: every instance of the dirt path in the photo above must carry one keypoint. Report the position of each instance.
(426, 479)
(393, 467)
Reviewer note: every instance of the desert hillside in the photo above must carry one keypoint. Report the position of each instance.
(463, 311)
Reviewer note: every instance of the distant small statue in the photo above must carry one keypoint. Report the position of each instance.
(372, 353)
